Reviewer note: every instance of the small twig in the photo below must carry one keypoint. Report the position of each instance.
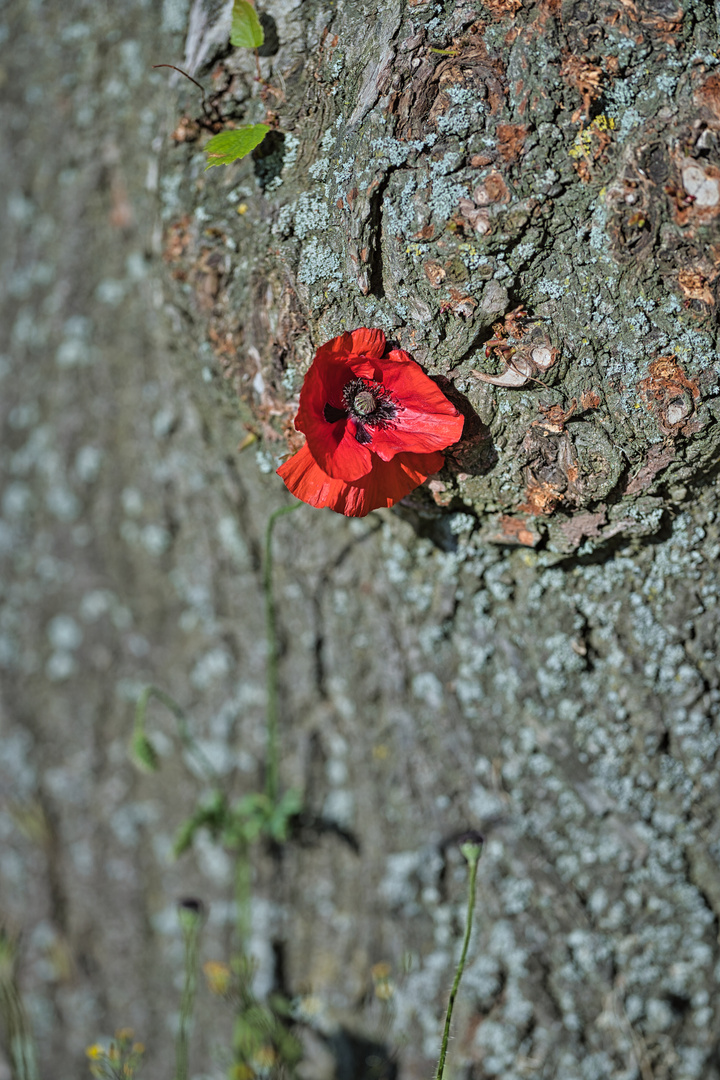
(211, 110)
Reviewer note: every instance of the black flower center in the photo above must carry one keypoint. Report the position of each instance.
(366, 402)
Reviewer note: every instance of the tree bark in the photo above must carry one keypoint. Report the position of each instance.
(527, 646)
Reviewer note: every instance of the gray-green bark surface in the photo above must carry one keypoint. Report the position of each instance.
(561, 695)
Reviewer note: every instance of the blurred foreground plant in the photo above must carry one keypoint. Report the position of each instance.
(261, 1040)
(18, 1037)
(119, 1060)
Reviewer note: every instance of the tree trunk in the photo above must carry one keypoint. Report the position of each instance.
(526, 646)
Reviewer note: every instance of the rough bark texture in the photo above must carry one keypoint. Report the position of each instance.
(528, 647)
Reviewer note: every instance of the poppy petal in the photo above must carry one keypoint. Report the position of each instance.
(383, 486)
(305, 480)
(399, 356)
(332, 442)
(389, 481)
(368, 343)
(416, 432)
(425, 421)
(334, 446)
(335, 348)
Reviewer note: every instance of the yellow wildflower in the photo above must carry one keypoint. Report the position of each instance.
(217, 976)
(241, 1072)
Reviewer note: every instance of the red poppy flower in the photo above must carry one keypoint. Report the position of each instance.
(375, 426)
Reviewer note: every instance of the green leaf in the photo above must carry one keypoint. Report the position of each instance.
(246, 29)
(143, 753)
(230, 146)
(210, 815)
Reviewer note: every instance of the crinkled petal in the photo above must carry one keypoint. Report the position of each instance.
(333, 444)
(384, 485)
(399, 356)
(368, 343)
(361, 368)
(334, 349)
(426, 421)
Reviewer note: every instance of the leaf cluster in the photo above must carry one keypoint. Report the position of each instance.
(260, 1035)
(239, 824)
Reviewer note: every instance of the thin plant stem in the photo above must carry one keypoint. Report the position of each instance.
(243, 887)
(183, 727)
(210, 109)
(472, 852)
(271, 774)
(191, 923)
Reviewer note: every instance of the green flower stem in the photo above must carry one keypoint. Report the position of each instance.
(191, 925)
(472, 852)
(271, 775)
(243, 890)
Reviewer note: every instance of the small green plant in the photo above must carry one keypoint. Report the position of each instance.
(261, 1038)
(229, 146)
(246, 32)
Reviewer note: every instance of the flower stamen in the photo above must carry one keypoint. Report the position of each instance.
(369, 404)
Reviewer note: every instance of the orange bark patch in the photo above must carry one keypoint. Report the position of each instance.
(493, 189)
(554, 418)
(511, 139)
(516, 531)
(542, 498)
(187, 130)
(658, 459)
(671, 395)
(586, 78)
(434, 273)
(177, 241)
(707, 96)
(694, 285)
(589, 399)
(499, 9)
